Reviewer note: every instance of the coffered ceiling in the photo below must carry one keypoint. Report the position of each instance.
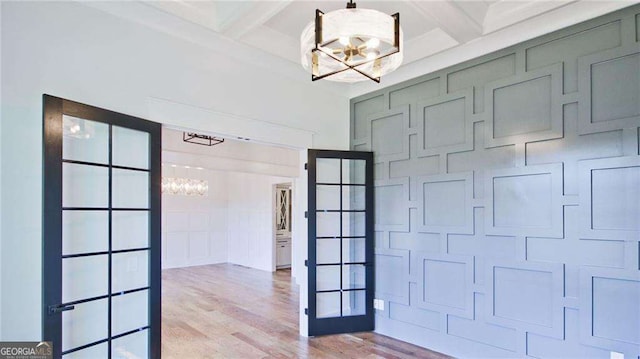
(438, 33)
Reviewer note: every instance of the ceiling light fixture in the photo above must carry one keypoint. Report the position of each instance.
(199, 139)
(351, 45)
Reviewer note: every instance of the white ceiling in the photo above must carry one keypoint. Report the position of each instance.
(437, 33)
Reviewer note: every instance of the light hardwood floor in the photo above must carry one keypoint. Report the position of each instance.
(229, 311)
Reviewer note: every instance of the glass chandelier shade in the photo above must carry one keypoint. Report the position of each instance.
(351, 45)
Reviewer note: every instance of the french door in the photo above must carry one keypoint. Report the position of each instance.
(341, 242)
(101, 232)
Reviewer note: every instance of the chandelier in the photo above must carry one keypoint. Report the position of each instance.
(185, 186)
(351, 45)
(200, 139)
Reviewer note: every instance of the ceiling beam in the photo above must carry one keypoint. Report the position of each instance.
(450, 18)
(188, 12)
(506, 13)
(259, 13)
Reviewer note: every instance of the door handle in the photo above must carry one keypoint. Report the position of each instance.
(55, 309)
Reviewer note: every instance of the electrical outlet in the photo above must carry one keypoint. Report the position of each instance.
(616, 355)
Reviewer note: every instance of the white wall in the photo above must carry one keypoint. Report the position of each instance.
(72, 51)
(250, 219)
(1, 318)
(194, 228)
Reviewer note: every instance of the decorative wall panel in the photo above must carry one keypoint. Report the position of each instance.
(610, 96)
(508, 198)
(446, 283)
(525, 201)
(566, 50)
(412, 94)
(610, 198)
(389, 138)
(524, 108)
(527, 295)
(446, 203)
(445, 124)
(477, 75)
(492, 334)
(392, 282)
(394, 215)
(610, 298)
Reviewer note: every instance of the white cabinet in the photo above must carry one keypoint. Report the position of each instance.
(283, 253)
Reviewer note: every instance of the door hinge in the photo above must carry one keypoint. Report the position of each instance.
(55, 309)
(306, 311)
(306, 263)
(306, 214)
(306, 166)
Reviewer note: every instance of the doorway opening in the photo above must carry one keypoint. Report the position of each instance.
(282, 225)
(219, 204)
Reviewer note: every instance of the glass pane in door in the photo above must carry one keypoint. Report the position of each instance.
(353, 250)
(130, 229)
(84, 277)
(328, 305)
(353, 198)
(328, 170)
(328, 250)
(129, 271)
(353, 171)
(328, 277)
(354, 303)
(130, 189)
(129, 312)
(328, 224)
(135, 345)
(327, 198)
(84, 140)
(85, 232)
(85, 186)
(130, 148)
(96, 351)
(86, 324)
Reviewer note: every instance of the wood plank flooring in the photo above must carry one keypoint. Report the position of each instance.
(229, 311)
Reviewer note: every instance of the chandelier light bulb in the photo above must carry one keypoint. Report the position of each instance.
(373, 43)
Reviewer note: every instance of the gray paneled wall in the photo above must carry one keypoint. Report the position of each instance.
(508, 198)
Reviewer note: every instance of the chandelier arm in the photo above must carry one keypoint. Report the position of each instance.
(372, 60)
(348, 67)
(318, 27)
(331, 55)
(328, 43)
(396, 30)
(376, 79)
(314, 77)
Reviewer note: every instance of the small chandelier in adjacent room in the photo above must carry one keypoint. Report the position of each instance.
(199, 139)
(185, 186)
(351, 45)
